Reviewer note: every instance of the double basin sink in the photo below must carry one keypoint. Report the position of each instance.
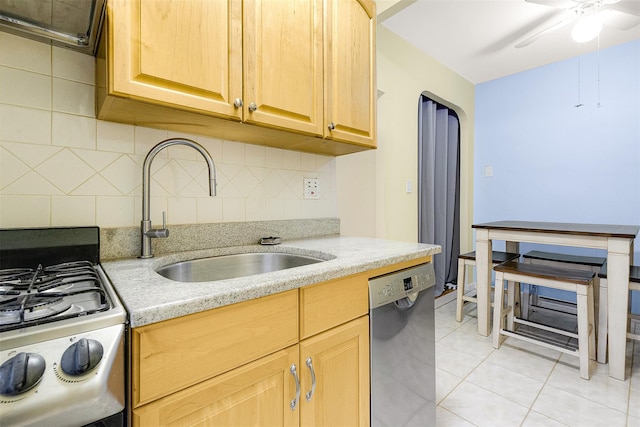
(232, 266)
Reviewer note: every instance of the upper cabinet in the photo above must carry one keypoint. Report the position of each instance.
(185, 54)
(283, 64)
(295, 74)
(349, 71)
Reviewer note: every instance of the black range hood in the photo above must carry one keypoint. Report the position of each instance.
(73, 24)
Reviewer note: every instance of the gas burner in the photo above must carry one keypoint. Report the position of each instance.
(31, 307)
(15, 275)
(74, 265)
(31, 297)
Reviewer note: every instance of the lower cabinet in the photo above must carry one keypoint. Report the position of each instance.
(323, 381)
(339, 361)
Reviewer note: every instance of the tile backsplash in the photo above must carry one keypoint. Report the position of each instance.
(60, 166)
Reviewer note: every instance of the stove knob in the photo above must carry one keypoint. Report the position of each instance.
(21, 373)
(81, 357)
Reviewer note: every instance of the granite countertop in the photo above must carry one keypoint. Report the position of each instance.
(151, 298)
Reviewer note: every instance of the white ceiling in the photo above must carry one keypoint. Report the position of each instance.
(477, 38)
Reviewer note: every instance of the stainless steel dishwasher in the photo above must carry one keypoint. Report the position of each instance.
(403, 377)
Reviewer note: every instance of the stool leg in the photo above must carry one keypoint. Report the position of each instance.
(518, 301)
(462, 266)
(602, 322)
(583, 333)
(596, 300)
(498, 306)
(511, 303)
(592, 322)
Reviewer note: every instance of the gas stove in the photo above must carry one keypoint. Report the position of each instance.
(62, 330)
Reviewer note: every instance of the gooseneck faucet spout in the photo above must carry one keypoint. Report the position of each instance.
(147, 233)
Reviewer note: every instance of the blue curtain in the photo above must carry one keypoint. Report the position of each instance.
(439, 187)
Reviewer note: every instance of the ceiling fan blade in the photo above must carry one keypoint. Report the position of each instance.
(560, 4)
(544, 32)
(631, 7)
(619, 20)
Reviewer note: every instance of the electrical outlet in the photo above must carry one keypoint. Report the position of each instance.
(311, 188)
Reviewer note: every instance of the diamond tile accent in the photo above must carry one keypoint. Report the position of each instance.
(124, 174)
(193, 167)
(245, 181)
(65, 170)
(98, 186)
(98, 160)
(31, 183)
(172, 177)
(31, 154)
(10, 168)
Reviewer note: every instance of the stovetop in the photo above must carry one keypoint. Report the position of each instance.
(46, 294)
(51, 284)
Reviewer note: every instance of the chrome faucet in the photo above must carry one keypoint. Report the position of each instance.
(147, 233)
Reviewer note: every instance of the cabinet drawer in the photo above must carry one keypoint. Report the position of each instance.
(171, 355)
(333, 303)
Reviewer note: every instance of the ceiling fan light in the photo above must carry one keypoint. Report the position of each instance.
(587, 28)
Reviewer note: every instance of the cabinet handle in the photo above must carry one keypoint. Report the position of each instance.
(237, 103)
(309, 394)
(331, 126)
(253, 107)
(294, 402)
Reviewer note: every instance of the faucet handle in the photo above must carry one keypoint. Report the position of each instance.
(158, 232)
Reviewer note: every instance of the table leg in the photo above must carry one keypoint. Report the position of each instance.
(483, 280)
(514, 247)
(618, 261)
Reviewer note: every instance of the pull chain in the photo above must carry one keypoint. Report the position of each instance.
(579, 104)
(598, 71)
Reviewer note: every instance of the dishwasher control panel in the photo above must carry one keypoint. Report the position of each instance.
(401, 284)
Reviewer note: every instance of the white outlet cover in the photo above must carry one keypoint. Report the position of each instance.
(311, 188)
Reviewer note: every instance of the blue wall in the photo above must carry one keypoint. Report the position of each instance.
(553, 161)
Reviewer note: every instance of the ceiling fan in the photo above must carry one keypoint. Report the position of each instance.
(589, 16)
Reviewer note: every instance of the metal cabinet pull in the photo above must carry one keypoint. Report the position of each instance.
(331, 126)
(253, 107)
(309, 394)
(294, 402)
(238, 103)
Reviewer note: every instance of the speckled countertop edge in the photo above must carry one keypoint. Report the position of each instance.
(151, 298)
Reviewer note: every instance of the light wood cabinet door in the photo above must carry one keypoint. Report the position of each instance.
(340, 360)
(257, 394)
(350, 71)
(283, 64)
(176, 354)
(185, 54)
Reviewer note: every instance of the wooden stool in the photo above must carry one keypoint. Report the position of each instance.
(575, 262)
(469, 259)
(634, 285)
(578, 281)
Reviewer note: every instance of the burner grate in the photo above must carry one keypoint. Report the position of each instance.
(31, 297)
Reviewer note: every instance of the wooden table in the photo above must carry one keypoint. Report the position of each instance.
(617, 240)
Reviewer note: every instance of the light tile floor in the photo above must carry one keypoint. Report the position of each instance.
(522, 384)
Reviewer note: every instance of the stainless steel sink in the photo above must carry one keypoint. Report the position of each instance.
(231, 266)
